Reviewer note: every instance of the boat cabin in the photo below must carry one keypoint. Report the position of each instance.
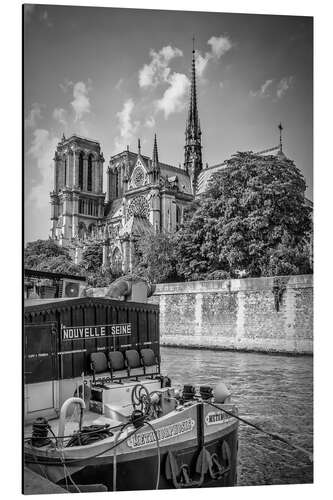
(92, 344)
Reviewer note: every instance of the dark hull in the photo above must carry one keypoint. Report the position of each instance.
(141, 473)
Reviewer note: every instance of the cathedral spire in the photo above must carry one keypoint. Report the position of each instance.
(193, 154)
(193, 109)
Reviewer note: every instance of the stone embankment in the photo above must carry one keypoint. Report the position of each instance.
(252, 314)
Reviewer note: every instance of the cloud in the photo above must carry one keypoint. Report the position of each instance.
(158, 70)
(283, 85)
(127, 127)
(150, 122)
(201, 62)
(34, 115)
(67, 84)
(60, 115)
(40, 161)
(266, 89)
(220, 45)
(263, 91)
(81, 102)
(119, 83)
(172, 100)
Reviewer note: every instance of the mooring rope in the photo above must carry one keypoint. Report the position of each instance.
(263, 431)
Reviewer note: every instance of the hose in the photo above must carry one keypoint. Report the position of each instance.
(90, 434)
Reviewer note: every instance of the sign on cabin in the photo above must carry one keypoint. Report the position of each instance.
(79, 327)
(95, 332)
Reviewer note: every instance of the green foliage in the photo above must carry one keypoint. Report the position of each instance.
(61, 264)
(92, 256)
(252, 221)
(46, 255)
(101, 278)
(155, 258)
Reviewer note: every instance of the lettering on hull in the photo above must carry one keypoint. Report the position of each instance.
(169, 431)
(95, 332)
(213, 418)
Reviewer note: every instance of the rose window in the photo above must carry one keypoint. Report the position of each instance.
(139, 206)
(138, 177)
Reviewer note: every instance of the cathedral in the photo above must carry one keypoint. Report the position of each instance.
(143, 195)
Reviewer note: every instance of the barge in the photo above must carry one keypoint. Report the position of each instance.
(99, 411)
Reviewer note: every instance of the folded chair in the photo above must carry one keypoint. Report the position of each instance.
(117, 365)
(133, 361)
(151, 364)
(99, 364)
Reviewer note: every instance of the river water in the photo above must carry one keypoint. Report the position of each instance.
(272, 391)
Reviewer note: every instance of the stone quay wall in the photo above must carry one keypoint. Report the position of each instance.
(251, 314)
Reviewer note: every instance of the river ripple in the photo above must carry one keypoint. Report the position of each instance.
(274, 392)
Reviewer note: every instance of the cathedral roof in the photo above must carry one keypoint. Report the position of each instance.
(184, 183)
(114, 209)
(136, 226)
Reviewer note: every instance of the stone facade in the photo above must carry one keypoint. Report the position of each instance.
(142, 194)
(77, 199)
(259, 314)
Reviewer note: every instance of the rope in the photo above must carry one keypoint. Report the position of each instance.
(114, 482)
(158, 455)
(263, 431)
(54, 462)
(69, 436)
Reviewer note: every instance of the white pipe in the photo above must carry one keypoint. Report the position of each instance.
(62, 418)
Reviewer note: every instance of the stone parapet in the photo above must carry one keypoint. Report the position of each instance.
(270, 314)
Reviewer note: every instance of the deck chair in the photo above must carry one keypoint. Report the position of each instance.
(133, 361)
(151, 364)
(117, 365)
(98, 364)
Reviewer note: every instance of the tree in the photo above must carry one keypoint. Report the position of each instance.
(252, 221)
(155, 258)
(92, 256)
(47, 255)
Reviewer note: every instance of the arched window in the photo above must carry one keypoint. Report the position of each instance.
(82, 231)
(89, 181)
(81, 170)
(116, 263)
(65, 173)
(178, 218)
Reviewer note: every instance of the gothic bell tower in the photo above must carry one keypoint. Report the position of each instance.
(77, 199)
(193, 148)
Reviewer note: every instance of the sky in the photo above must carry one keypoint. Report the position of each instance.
(116, 75)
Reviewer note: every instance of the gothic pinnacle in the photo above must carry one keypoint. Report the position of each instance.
(155, 153)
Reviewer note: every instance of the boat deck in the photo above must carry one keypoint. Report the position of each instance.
(72, 422)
